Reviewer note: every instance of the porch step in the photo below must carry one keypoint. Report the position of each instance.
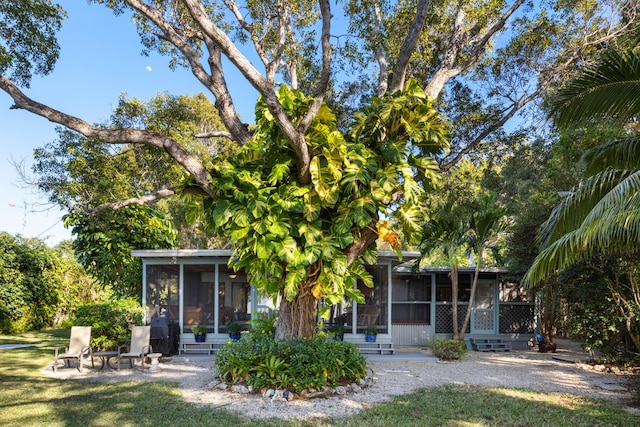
(208, 347)
(490, 344)
(378, 347)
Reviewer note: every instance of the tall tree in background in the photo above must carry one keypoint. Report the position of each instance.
(446, 46)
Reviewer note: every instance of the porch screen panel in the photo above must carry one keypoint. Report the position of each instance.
(375, 309)
(234, 298)
(411, 300)
(163, 291)
(199, 288)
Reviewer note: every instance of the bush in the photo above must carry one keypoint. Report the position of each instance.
(110, 322)
(445, 349)
(295, 364)
(263, 325)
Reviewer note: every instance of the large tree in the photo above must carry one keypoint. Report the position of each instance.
(447, 45)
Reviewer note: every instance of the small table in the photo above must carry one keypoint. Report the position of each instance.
(105, 357)
(155, 360)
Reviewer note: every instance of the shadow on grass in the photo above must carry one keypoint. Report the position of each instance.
(29, 398)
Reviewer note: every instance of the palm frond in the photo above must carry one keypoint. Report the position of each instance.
(618, 231)
(622, 153)
(610, 89)
(576, 205)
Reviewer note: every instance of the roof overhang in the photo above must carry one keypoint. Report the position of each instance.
(221, 253)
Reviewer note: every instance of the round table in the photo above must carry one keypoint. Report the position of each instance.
(105, 357)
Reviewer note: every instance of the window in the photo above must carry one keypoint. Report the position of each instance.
(411, 300)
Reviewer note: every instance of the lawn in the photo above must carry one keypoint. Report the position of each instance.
(29, 398)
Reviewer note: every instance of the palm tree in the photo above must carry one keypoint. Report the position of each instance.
(446, 232)
(485, 225)
(602, 215)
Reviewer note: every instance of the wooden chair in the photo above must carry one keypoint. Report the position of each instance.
(79, 348)
(139, 347)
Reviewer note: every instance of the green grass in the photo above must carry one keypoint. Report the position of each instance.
(29, 398)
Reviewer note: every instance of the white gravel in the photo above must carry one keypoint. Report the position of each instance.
(402, 373)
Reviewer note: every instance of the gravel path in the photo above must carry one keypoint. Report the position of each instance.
(402, 373)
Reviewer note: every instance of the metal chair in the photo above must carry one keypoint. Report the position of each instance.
(139, 347)
(79, 348)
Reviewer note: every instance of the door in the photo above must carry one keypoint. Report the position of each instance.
(483, 321)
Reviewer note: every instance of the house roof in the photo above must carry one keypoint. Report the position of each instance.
(226, 253)
(403, 265)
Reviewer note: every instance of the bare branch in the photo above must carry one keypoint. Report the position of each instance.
(493, 127)
(161, 194)
(381, 59)
(225, 45)
(409, 46)
(325, 73)
(113, 136)
(213, 134)
(227, 110)
(458, 40)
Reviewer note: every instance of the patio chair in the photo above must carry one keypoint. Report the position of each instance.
(79, 348)
(139, 347)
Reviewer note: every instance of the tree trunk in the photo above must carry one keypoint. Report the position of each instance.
(467, 317)
(297, 318)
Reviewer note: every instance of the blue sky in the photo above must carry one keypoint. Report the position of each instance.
(100, 58)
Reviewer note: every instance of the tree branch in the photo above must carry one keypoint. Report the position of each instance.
(113, 136)
(448, 69)
(161, 194)
(224, 103)
(381, 59)
(493, 127)
(325, 73)
(409, 46)
(213, 134)
(262, 85)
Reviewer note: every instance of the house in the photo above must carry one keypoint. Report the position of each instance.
(196, 287)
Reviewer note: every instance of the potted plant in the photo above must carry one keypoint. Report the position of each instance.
(199, 332)
(370, 333)
(234, 329)
(338, 331)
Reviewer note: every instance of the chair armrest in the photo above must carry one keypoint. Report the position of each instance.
(146, 349)
(66, 350)
(120, 349)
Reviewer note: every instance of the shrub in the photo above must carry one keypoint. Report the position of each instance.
(263, 325)
(445, 349)
(295, 364)
(110, 322)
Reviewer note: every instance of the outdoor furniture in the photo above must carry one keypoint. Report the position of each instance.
(155, 361)
(105, 357)
(79, 348)
(139, 347)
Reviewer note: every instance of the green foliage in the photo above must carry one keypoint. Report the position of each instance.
(605, 315)
(600, 216)
(263, 325)
(110, 322)
(294, 364)
(445, 349)
(234, 328)
(105, 240)
(299, 234)
(371, 330)
(29, 44)
(199, 329)
(29, 285)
